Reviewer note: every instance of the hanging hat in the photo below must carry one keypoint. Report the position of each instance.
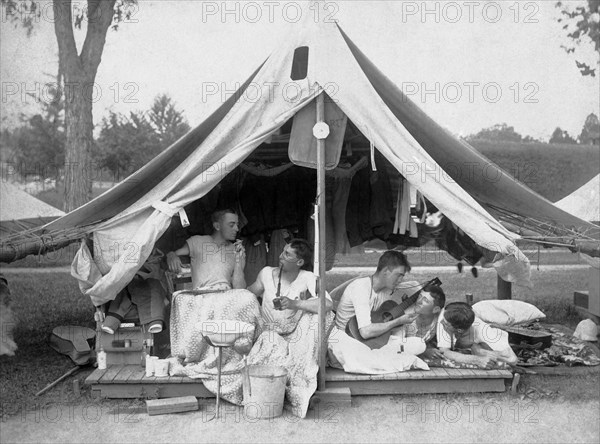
(586, 330)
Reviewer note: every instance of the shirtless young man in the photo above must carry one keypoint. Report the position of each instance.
(218, 260)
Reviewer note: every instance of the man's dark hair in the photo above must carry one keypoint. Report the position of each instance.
(459, 315)
(304, 251)
(392, 259)
(436, 292)
(217, 215)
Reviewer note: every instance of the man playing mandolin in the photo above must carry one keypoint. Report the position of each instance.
(365, 295)
(353, 348)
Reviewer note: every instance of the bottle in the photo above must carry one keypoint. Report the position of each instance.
(149, 366)
(101, 359)
(144, 353)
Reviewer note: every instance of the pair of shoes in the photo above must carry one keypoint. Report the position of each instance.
(108, 330)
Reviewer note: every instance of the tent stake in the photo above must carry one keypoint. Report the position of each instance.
(321, 242)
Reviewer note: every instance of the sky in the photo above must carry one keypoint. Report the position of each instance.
(468, 64)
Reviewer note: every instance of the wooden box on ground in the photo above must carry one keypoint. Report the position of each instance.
(125, 346)
(587, 302)
(171, 405)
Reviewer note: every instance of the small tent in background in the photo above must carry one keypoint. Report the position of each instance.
(21, 211)
(584, 202)
(316, 60)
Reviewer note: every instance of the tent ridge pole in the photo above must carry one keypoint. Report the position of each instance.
(321, 242)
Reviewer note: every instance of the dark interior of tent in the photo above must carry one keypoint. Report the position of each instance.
(367, 201)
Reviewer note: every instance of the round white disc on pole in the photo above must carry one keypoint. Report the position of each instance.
(321, 130)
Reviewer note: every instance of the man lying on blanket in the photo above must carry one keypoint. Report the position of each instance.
(428, 307)
(459, 329)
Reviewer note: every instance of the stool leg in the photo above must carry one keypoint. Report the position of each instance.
(218, 382)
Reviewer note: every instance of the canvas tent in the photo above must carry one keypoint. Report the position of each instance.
(584, 202)
(21, 211)
(474, 193)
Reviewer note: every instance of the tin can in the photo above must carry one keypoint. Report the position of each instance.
(469, 298)
(101, 359)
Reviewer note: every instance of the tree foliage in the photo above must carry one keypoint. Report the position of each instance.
(561, 136)
(582, 27)
(76, 73)
(37, 147)
(590, 133)
(168, 122)
(498, 132)
(126, 143)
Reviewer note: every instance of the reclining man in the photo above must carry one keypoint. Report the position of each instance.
(458, 328)
(428, 307)
(218, 260)
(360, 297)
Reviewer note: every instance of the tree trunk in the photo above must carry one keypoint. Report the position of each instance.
(79, 71)
(79, 133)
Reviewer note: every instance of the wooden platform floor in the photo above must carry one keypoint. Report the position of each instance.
(130, 381)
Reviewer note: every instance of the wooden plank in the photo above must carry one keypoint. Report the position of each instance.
(340, 397)
(94, 376)
(176, 379)
(467, 373)
(416, 374)
(171, 405)
(416, 386)
(137, 375)
(438, 373)
(148, 379)
(128, 391)
(124, 374)
(109, 374)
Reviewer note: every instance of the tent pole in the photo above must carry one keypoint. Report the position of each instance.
(504, 289)
(321, 242)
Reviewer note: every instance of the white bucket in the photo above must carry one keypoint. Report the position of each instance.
(264, 390)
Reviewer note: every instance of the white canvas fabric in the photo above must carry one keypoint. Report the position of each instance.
(123, 243)
(584, 202)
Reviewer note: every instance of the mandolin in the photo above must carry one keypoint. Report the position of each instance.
(388, 311)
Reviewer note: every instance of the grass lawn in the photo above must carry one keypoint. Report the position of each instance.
(47, 300)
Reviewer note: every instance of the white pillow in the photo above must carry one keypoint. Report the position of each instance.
(507, 312)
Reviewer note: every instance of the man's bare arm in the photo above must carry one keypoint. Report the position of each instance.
(173, 259)
(507, 355)
(375, 330)
(481, 361)
(238, 279)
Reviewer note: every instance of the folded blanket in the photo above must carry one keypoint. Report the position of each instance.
(192, 356)
(297, 352)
